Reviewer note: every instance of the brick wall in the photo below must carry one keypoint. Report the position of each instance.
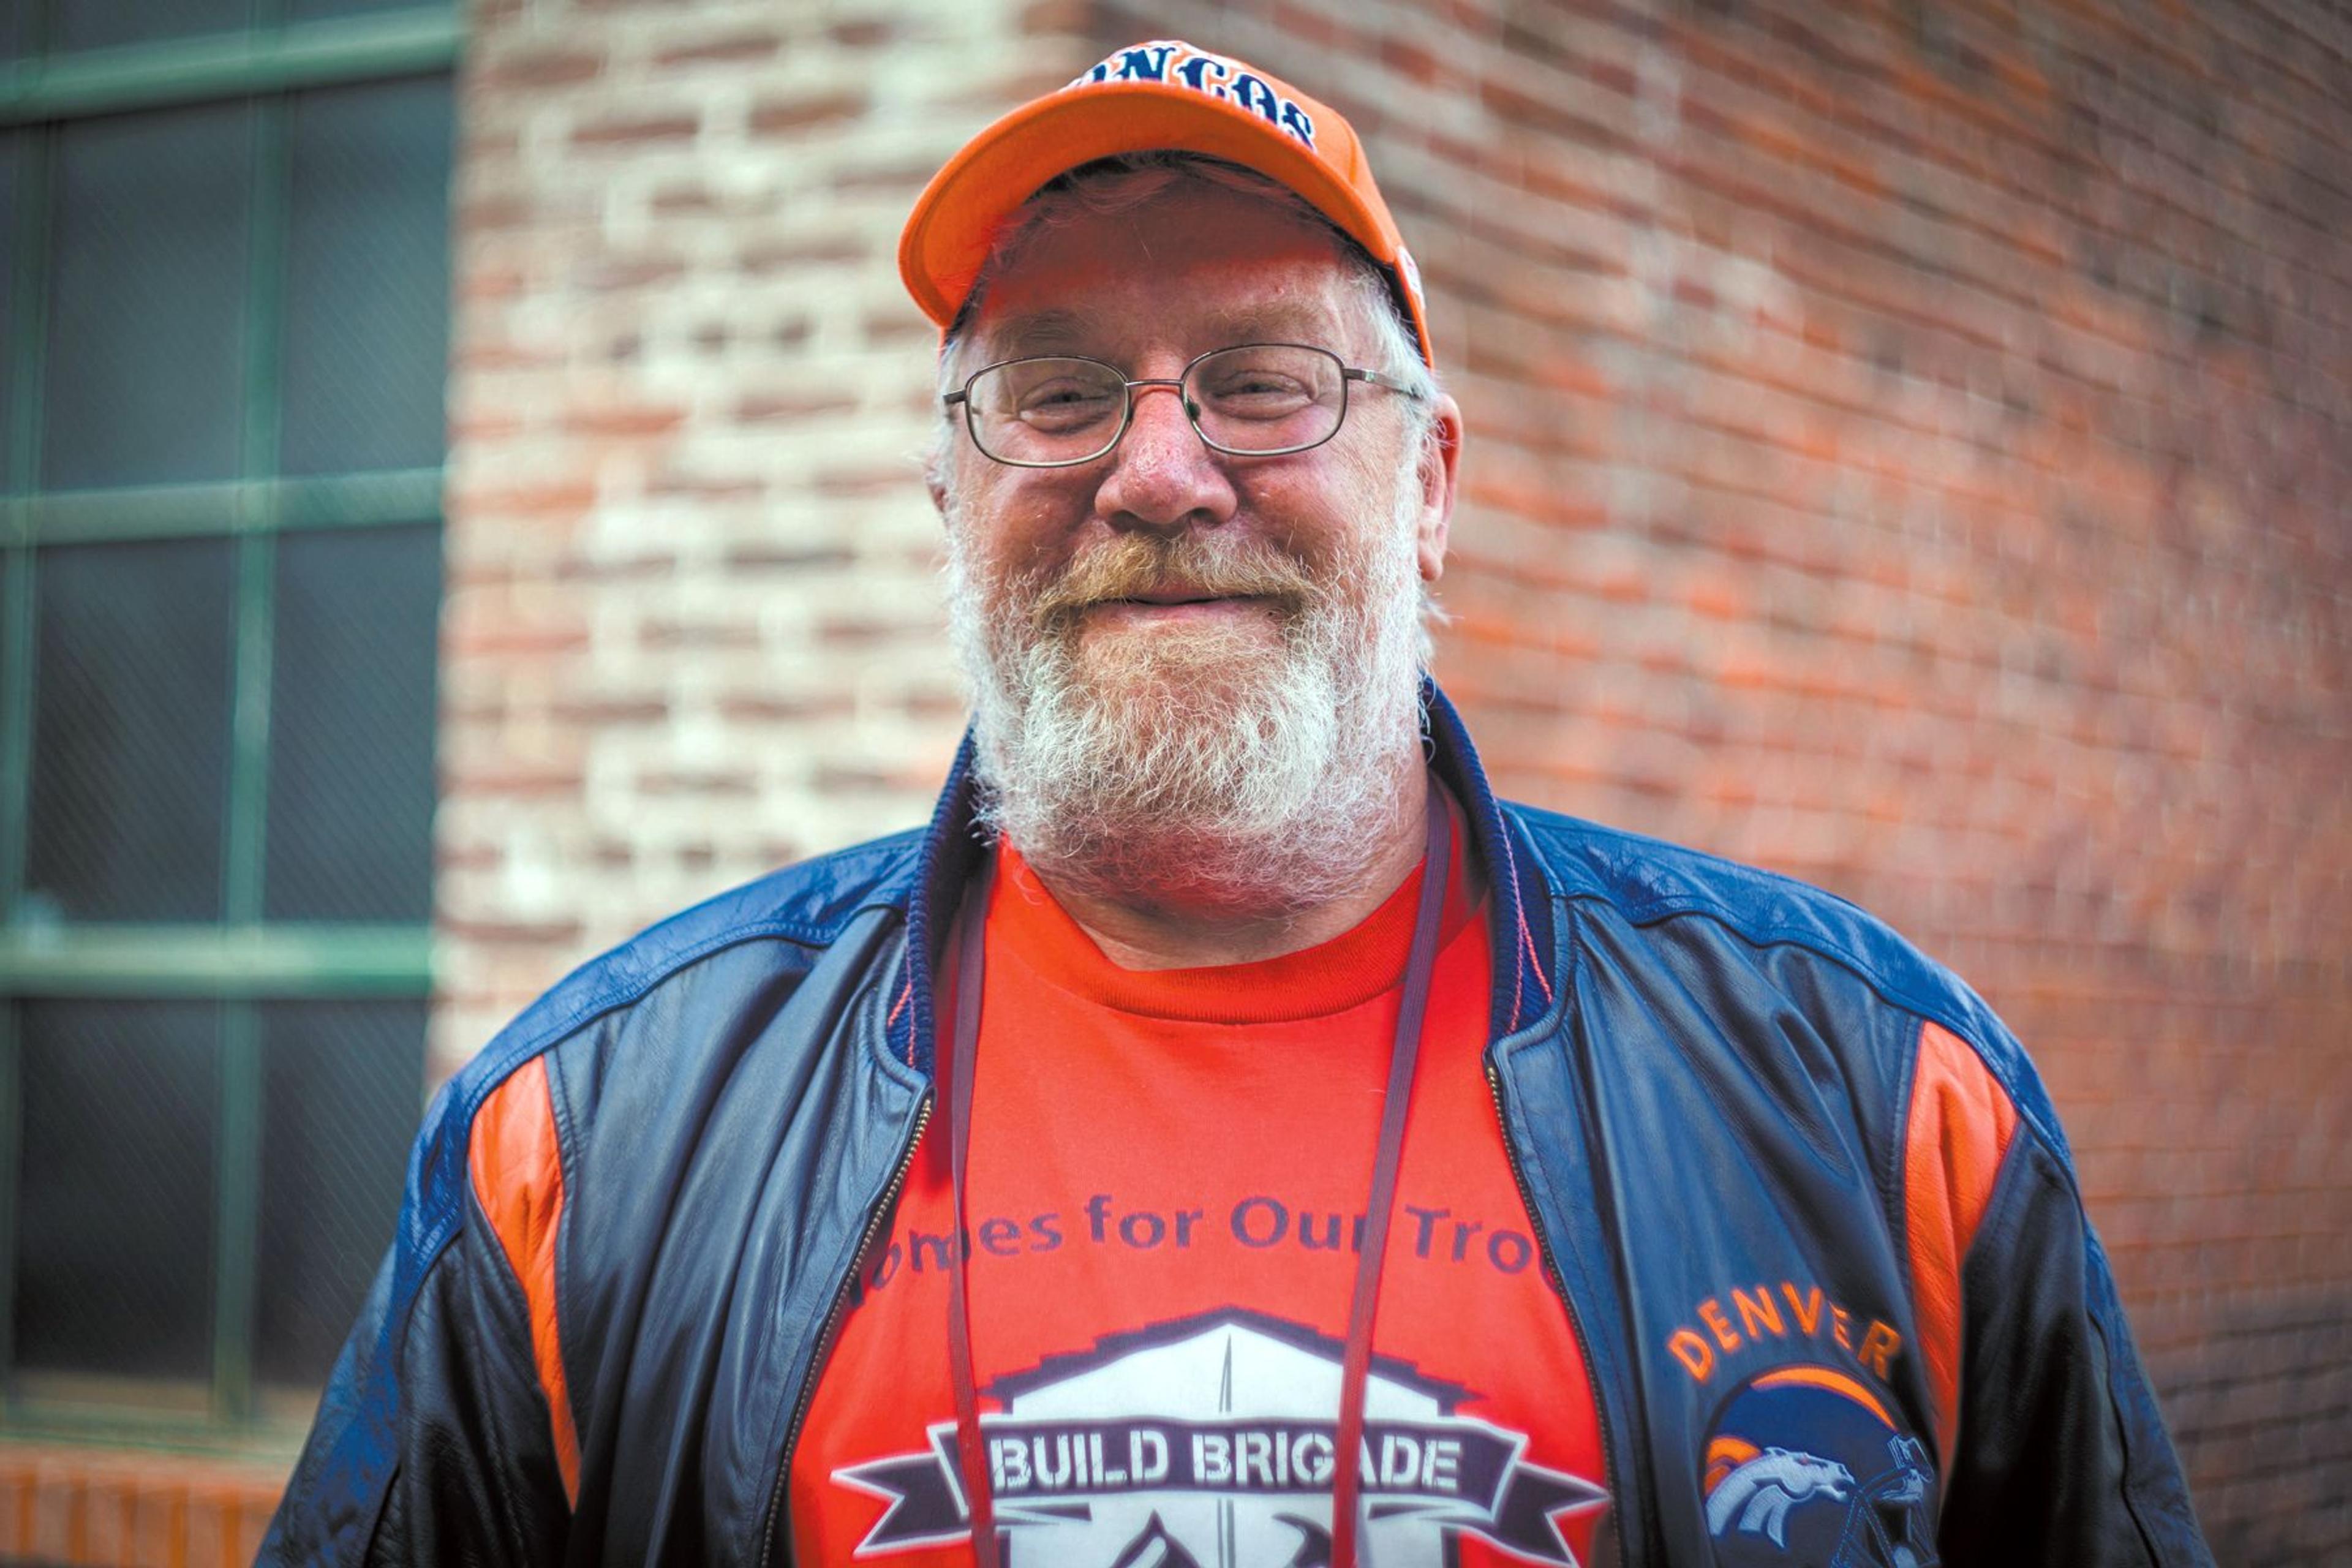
(1908, 449)
(692, 631)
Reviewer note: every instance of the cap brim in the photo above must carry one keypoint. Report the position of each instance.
(955, 221)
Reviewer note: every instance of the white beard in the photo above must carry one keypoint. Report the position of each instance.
(1214, 768)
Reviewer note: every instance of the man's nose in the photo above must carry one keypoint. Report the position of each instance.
(1162, 475)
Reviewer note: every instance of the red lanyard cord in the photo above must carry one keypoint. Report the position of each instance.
(1363, 1302)
(1346, 1478)
(970, 957)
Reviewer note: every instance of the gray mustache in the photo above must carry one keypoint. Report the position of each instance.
(1137, 564)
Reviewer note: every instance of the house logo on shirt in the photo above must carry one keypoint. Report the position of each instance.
(1211, 1440)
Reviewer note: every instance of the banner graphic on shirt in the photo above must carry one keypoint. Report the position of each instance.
(1211, 1441)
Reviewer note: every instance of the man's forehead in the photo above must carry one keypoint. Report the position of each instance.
(1216, 265)
(1284, 317)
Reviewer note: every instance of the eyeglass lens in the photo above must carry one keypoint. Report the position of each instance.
(1257, 398)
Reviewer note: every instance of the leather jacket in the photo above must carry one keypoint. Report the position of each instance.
(1797, 1184)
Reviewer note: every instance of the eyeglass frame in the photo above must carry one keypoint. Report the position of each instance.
(1127, 384)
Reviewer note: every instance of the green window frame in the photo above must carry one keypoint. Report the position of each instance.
(244, 962)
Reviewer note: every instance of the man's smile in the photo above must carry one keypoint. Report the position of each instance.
(1141, 582)
(1171, 608)
(1173, 596)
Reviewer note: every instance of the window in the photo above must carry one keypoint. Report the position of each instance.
(223, 336)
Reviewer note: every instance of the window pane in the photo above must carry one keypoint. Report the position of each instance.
(367, 308)
(351, 735)
(130, 728)
(115, 1261)
(99, 24)
(144, 362)
(342, 1090)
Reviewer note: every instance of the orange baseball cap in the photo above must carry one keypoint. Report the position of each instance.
(1160, 95)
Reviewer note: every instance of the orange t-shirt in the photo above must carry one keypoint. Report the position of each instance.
(1166, 1169)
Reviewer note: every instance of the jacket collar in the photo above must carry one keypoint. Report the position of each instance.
(1518, 905)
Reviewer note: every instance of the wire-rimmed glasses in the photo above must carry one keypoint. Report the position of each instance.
(1253, 400)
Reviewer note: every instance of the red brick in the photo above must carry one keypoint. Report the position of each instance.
(778, 116)
(671, 634)
(662, 782)
(612, 713)
(783, 710)
(624, 419)
(797, 254)
(863, 480)
(698, 487)
(536, 68)
(1410, 59)
(783, 554)
(759, 407)
(552, 498)
(732, 48)
(627, 275)
(636, 131)
(1051, 17)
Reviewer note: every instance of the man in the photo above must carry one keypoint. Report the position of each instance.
(1228, 1134)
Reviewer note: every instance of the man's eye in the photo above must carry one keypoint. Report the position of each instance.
(1065, 404)
(1262, 394)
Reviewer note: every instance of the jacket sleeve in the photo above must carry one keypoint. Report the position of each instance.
(2054, 1451)
(436, 1438)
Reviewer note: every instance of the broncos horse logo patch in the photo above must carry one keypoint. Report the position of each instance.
(1758, 1494)
(1806, 1467)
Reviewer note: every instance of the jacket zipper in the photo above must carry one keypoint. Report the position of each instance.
(1560, 1285)
(874, 1224)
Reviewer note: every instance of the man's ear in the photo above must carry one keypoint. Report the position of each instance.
(938, 470)
(1441, 462)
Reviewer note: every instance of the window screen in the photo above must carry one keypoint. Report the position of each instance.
(351, 744)
(367, 312)
(147, 298)
(224, 334)
(341, 1089)
(115, 1219)
(131, 729)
